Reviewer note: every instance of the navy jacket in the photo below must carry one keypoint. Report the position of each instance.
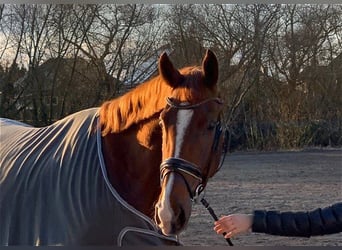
(320, 221)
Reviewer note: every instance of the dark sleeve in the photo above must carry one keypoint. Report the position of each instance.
(303, 224)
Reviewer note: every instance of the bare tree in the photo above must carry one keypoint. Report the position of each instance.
(110, 41)
(64, 46)
(238, 34)
(303, 46)
(279, 64)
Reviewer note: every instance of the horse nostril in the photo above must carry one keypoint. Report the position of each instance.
(181, 217)
(180, 221)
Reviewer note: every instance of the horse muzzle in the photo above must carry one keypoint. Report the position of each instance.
(172, 226)
(172, 212)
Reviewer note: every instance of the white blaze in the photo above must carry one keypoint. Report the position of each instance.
(165, 212)
(164, 208)
(183, 120)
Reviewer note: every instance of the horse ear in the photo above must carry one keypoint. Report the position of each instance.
(210, 68)
(168, 72)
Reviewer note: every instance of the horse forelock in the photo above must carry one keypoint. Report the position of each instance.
(193, 88)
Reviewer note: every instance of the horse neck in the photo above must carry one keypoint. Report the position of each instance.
(132, 160)
(132, 150)
(133, 153)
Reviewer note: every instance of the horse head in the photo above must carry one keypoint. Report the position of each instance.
(191, 147)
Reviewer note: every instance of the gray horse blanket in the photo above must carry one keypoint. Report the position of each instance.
(54, 188)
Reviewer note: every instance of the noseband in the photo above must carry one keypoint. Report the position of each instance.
(183, 167)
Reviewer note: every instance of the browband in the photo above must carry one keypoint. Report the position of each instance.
(170, 101)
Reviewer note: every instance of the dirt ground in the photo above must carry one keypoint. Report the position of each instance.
(285, 181)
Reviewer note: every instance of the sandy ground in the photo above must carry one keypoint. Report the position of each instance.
(285, 181)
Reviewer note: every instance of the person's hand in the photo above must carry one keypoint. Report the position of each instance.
(234, 224)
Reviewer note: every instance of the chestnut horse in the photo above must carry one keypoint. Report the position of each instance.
(170, 119)
(152, 149)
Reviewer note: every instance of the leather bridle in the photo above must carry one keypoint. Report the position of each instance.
(186, 168)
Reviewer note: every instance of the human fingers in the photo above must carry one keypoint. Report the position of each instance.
(220, 231)
(225, 221)
(220, 228)
(230, 234)
(227, 233)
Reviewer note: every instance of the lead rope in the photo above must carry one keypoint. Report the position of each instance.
(212, 213)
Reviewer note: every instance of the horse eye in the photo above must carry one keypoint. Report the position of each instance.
(211, 125)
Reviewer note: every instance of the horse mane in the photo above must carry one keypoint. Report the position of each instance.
(148, 99)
